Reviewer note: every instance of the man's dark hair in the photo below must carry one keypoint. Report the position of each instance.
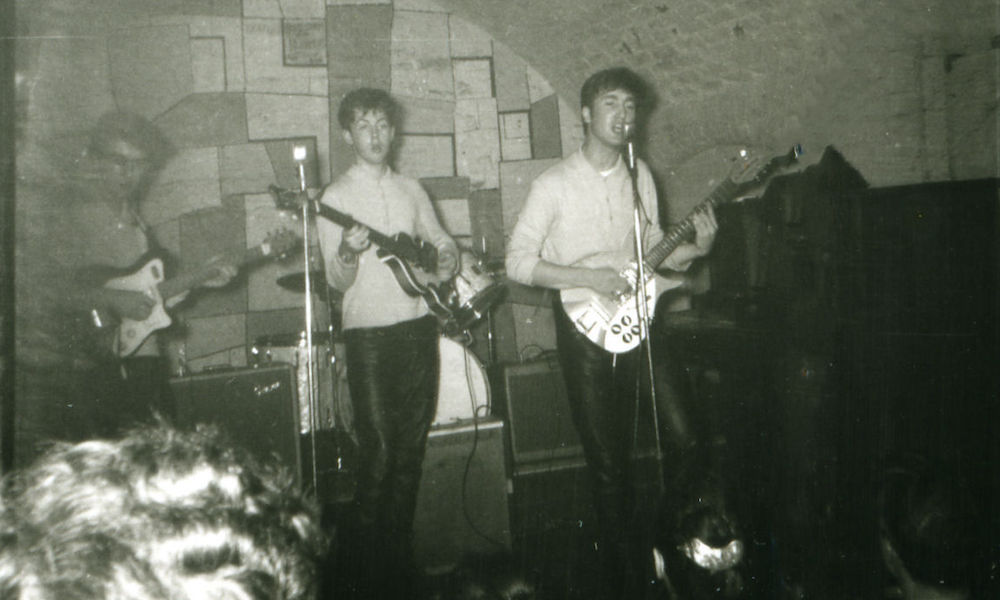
(135, 130)
(617, 78)
(159, 514)
(363, 100)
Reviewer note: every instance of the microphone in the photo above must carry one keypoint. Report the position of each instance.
(299, 156)
(629, 147)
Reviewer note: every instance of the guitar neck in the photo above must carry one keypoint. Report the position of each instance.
(188, 281)
(683, 230)
(726, 191)
(347, 221)
(392, 245)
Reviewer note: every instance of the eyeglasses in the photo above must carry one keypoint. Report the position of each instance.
(127, 165)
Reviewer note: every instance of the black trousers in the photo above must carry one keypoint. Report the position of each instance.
(393, 376)
(601, 390)
(608, 398)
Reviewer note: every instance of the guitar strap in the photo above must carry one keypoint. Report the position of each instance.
(153, 245)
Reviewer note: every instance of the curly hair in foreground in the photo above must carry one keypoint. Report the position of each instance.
(159, 514)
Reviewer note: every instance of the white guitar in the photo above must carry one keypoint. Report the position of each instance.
(613, 323)
(149, 279)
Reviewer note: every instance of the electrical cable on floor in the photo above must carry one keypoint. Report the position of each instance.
(472, 453)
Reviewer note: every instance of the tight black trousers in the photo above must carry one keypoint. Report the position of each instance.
(601, 390)
(393, 375)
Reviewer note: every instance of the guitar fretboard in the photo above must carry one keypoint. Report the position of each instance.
(684, 229)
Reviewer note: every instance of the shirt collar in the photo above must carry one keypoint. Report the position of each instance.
(581, 163)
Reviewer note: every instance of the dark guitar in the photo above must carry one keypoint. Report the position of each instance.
(413, 261)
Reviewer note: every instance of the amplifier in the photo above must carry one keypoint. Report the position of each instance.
(256, 408)
(534, 400)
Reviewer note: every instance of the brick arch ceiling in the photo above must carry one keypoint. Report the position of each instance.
(726, 71)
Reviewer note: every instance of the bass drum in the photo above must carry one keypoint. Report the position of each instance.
(463, 390)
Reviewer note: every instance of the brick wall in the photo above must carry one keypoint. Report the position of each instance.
(873, 79)
(905, 90)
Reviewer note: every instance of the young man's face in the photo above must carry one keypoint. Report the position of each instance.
(124, 165)
(608, 114)
(371, 136)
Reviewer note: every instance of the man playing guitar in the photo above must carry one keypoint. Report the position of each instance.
(576, 230)
(72, 383)
(390, 337)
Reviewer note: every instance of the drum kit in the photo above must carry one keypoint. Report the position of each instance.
(463, 389)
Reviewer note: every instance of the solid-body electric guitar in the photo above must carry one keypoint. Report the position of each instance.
(614, 322)
(149, 278)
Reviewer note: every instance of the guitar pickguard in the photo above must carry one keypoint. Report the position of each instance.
(132, 333)
(612, 324)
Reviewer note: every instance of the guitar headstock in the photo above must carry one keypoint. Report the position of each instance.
(285, 199)
(750, 172)
(281, 243)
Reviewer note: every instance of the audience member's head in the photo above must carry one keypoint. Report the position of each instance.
(493, 577)
(928, 524)
(157, 515)
(698, 551)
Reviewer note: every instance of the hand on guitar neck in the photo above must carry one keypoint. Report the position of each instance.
(133, 302)
(606, 312)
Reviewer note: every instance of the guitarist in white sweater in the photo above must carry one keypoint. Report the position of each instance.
(390, 336)
(575, 230)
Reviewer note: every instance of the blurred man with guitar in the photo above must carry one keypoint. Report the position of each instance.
(78, 238)
(575, 231)
(390, 334)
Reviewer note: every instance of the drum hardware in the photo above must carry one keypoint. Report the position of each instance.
(292, 349)
(295, 282)
(463, 390)
(474, 290)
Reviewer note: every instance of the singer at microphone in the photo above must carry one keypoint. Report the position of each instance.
(629, 130)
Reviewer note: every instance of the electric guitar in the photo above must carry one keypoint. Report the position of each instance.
(614, 323)
(413, 261)
(128, 334)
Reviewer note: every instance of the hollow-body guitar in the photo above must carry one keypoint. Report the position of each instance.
(613, 322)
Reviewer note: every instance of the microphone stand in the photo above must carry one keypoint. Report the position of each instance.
(299, 154)
(641, 306)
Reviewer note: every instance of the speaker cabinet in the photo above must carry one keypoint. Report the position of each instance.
(462, 505)
(542, 434)
(256, 408)
(541, 428)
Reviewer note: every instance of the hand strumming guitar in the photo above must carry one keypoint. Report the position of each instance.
(447, 264)
(606, 281)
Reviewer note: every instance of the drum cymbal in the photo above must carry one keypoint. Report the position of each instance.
(296, 282)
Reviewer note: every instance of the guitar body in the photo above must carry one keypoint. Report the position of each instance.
(413, 263)
(612, 324)
(615, 325)
(150, 279)
(131, 334)
(417, 282)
